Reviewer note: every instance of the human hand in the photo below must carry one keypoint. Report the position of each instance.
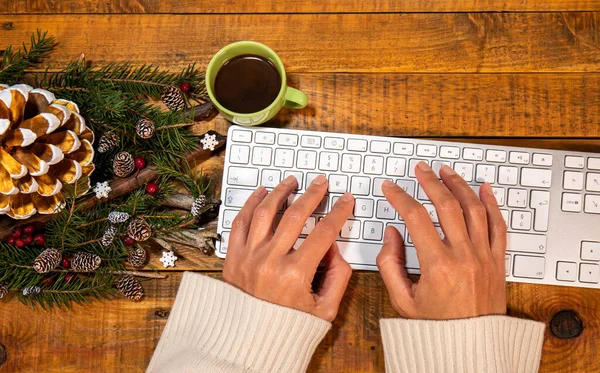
(263, 263)
(462, 275)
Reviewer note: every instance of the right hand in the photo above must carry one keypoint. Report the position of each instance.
(462, 275)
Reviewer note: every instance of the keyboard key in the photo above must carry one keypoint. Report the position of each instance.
(571, 202)
(395, 166)
(236, 197)
(351, 229)
(566, 271)
(536, 177)
(338, 183)
(373, 230)
(507, 265)
(365, 254)
(287, 139)
(261, 156)
(310, 177)
(334, 143)
(360, 185)
(505, 216)
(310, 141)
(267, 138)
(307, 159)
(424, 150)
(412, 164)
(526, 242)
(573, 180)
(590, 250)
(518, 158)
(589, 273)
(228, 217)
(592, 183)
(465, 170)
(373, 165)
(529, 266)
(377, 192)
(517, 197)
(508, 175)
(431, 211)
(298, 175)
(592, 204)
(239, 154)
(351, 163)
(270, 178)
(357, 145)
(485, 173)
(540, 202)
(574, 162)
(521, 220)
(436, 165)
(328, 161)
(450, 152)
(542, 159)
(472, 154)
(382, 147)
(241, 136)
(421, 194)
(242, 176)
(309, 225)
(499, 193)
(401, 228)
(224, 242)
(408, 186)
(323, 206)
(594, 163)
(385, 210)
(284, 157)
(495, 156)
(402, 148)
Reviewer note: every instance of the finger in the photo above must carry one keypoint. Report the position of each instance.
(391, 262)
(337, 276)
(241, 224)
(423, 234)
(325, 232)
(295, 216)
(447, 207)
(474, 213)
(261, 227)
(497, 225)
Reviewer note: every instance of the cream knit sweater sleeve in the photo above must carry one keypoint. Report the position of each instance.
(217, 328)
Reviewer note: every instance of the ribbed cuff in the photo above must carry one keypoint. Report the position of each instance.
(221, 328)
(491, 344)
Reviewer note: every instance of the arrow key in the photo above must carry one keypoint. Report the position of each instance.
(566, 271)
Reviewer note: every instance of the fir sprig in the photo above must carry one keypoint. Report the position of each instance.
(14, 63)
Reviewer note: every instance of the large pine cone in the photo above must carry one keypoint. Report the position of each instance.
(172, 97)
(3, 290)
(131, 288)
(85, 262)
(123, 164)
(44, 143)
(139, 230)
(137, 258)
(48, 260)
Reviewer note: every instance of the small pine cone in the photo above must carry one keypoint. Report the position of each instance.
(123, 164)
(32, 290)
(139, 230)
(172, 97)
(144, 128)
(117, 217)
(85, 262)
(198, 205)
(137, 258)
(109, 235)
(107, 141)
(3, 290)
(48, 260)
(131, 288)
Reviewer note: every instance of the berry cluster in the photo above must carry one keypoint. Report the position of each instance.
(23, 236)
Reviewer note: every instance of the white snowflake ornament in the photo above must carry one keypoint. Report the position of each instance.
(168, 259)
(102, 190)
(209, 142)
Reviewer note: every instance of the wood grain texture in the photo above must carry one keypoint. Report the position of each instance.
(121, 335)
(289, 6)
(435, 42)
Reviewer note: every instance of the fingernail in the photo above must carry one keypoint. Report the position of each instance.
(347, 197)
(260, 191)
(319, 180)
(423, 166)
(488, 188)
(447, 170)
(386, 234)
(387, 183)
(290, 180)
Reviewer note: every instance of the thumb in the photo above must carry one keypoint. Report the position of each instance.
(391, 261)
(337, 276)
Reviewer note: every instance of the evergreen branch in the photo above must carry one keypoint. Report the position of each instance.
(13, 64)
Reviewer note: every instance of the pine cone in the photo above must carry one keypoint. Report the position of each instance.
(144, 128)
(44, 143)
(109, 235)
(48, 260)
(85, 262)
(131, 288)
(32, 290)
(139, 230)
(123, 164)
(3, 290)
(137, 258)
(117, 217)
(172, 97)
(198, 205)
(107, 141)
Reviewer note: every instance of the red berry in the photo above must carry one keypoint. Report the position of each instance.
(68, 277)
(66, 262)
(20, 243)
(186, 87)
(48, 281)
(10, 240)
(128, 241)
(16, 232)
(27, 238)
(39, 239)
(140, 163)
(29, 229)
(151, 189)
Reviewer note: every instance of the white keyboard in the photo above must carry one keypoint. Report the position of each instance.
(550, 199)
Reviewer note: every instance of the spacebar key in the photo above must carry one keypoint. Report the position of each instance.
(529, 243)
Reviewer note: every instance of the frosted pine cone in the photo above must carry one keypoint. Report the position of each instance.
(107, 141)
(48, 260)
(198, 205)
(123, 164)
(32, 290)
(85, 262)
(117, 217)
(137, 258)
(109, 235)
(131, 288)
(3, 290)
(172, 97)
(144, 128)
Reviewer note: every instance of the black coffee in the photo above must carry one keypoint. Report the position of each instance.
(247, 84)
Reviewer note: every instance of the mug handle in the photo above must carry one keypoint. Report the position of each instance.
(295, 99)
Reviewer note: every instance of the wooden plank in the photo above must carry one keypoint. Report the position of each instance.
(289, 6)
(120, 335)
(434, 42)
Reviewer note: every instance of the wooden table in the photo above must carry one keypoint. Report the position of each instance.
(512, 72)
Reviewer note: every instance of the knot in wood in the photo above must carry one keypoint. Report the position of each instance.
(2, 354)
(566, 324)
(162, 313)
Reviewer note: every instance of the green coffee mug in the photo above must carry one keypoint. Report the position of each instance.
(288, 97)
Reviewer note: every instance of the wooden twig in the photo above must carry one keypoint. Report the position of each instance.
(140, 274)
(179, 201)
